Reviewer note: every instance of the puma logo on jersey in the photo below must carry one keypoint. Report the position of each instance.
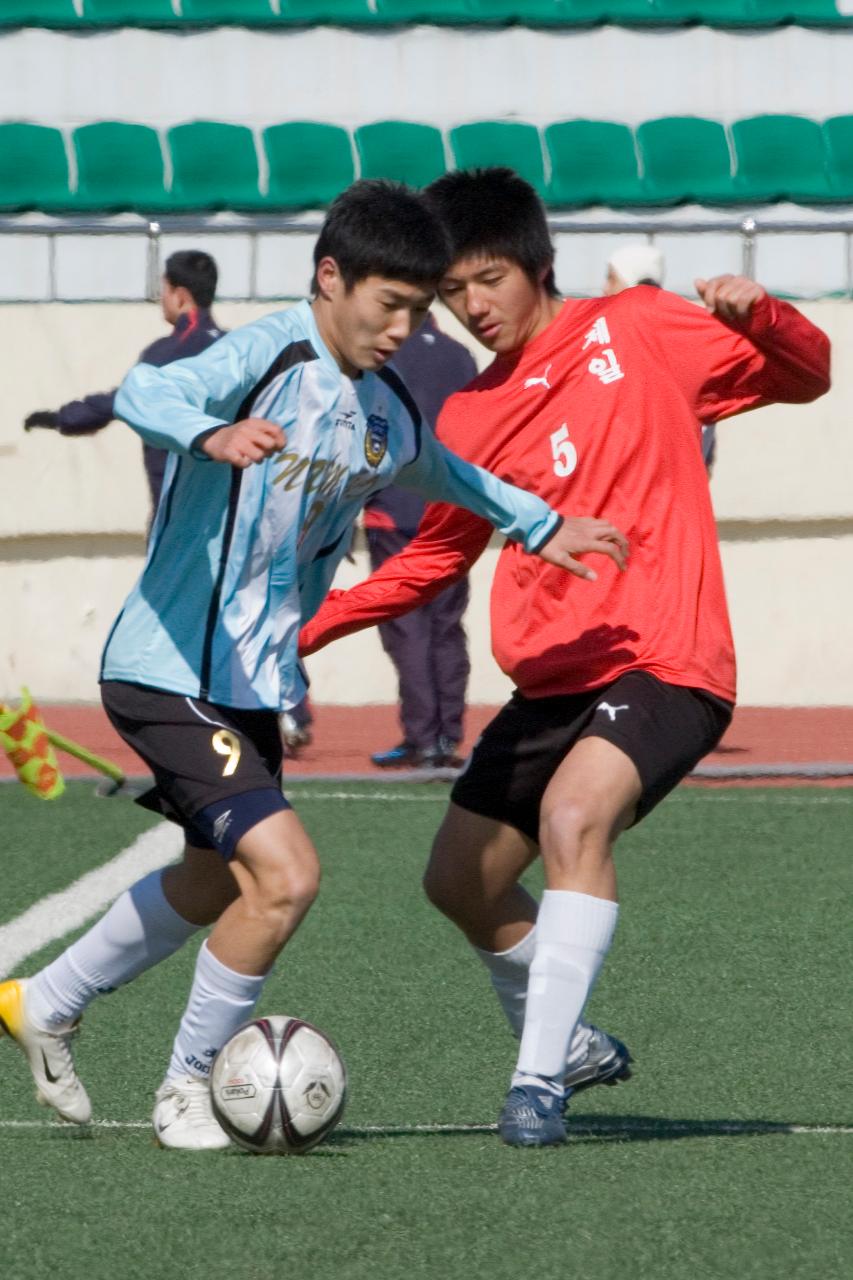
(539, 382)
(611, 711)
(598, 334)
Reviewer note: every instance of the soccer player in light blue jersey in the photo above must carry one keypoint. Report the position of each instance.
(277, 435)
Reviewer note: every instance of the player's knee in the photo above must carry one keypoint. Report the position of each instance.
(442, 890)
(570, 829)
(435, 886)
(284, 889)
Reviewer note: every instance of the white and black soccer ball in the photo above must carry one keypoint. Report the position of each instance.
(278, 1086)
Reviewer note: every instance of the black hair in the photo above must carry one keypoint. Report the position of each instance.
(380, 228)
(194, 271)
(496, 214)
(656, 284)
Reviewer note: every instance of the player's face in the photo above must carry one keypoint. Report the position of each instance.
(365, 325)
(497, 302)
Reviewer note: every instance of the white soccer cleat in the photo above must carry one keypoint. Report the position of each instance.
(48, 1053)
(183, 1116)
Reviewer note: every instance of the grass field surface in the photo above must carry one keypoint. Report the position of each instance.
(727, 1155)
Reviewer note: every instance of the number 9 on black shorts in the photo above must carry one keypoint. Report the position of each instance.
(217, 770)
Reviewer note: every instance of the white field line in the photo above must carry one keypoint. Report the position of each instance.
(652, 1128)
(683, 797)
(59, 913)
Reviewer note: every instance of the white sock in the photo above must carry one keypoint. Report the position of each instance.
(220, 1001)
(139, 930)
(574, 932)
(509, 972)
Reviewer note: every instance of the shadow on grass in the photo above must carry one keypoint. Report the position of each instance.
(349, 1138)
(622, 1128)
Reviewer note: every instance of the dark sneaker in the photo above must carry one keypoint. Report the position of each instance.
(403, 756)
(532, 1117)
(607, 1061)
(445, 754)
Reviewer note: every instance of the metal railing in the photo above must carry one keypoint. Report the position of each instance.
(749, 228)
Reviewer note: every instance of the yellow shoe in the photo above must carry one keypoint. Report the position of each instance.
(48, 1053)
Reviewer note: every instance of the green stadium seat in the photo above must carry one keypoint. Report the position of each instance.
(130, 13)
(333, 12)
(240, 13)
(215, 166)
(119, 166)
(592, 162)
(399, 149)
(767, 13)
(309, 163)
(502, 142)
(38, 13)
(33, 169)
(779, 157)
(838, 144)
(437, 12)
(685, 158)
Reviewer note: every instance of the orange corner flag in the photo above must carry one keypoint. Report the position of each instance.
(25, 741)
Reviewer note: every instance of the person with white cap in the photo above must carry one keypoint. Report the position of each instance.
(633, 264)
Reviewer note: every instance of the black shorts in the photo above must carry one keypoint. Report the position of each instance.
(664, 729)
(217, 769)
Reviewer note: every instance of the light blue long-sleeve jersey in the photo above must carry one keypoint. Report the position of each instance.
(238, 558)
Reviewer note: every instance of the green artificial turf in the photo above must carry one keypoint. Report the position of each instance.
(729, 979)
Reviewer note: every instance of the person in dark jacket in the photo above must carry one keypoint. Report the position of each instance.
(186, 295)
(428, 647)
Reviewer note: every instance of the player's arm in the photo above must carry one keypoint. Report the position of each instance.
(741, 349)
(194, 406)
(443, 476)
(448, 542)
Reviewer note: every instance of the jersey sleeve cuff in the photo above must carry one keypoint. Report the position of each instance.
(534, 547)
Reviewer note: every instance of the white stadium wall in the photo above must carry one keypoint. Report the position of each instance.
(74, 511)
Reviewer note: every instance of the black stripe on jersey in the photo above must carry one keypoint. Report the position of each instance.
(293, 354)
(332, 546)
(404, 395)
(296, 353)
(213, 607)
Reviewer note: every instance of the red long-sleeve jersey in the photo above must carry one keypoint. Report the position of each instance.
(600, 416)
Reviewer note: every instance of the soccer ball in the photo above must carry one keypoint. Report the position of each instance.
(278, 1086)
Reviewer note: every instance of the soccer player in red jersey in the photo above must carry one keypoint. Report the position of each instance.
(622, 684)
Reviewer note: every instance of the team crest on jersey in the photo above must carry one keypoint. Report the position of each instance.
(375, 439)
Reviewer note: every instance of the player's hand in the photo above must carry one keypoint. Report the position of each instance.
(730, 297)
(42, 418)
(580, 535)
(251, 440)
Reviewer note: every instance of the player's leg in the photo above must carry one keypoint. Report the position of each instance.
(590, 799)
(617, 771)
(146, 924)
(276, 870)
(472, 878)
